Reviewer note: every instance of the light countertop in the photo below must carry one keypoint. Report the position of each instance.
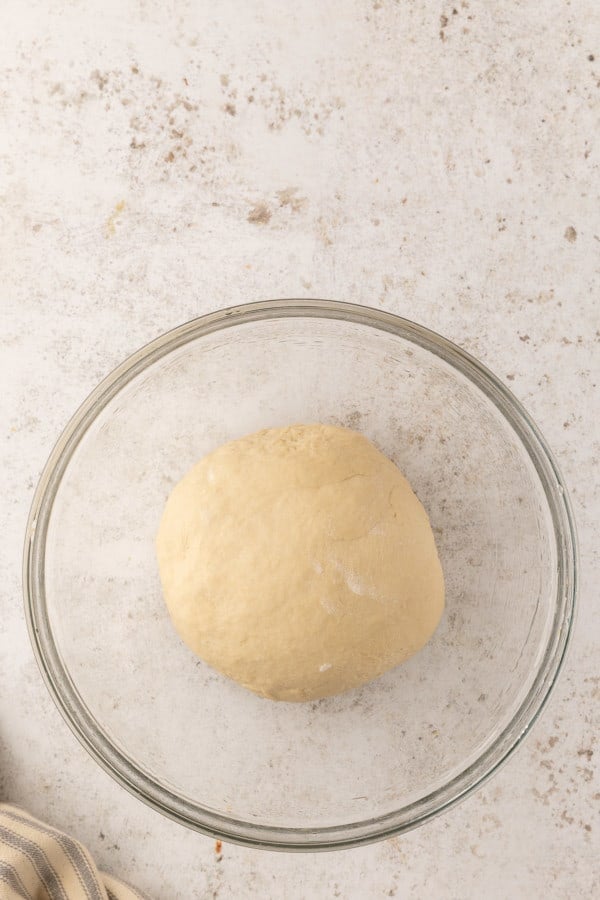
(162, 159)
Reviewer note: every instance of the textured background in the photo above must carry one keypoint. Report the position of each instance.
(162, 159)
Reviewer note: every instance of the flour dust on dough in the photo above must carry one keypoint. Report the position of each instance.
(299, 562)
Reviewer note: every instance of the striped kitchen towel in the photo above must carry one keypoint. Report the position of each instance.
(40, 863)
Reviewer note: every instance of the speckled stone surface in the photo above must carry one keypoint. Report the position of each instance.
(162, 159)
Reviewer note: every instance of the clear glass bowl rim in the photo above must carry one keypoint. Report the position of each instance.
(192, 814)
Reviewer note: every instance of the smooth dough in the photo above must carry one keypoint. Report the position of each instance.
(299, 562)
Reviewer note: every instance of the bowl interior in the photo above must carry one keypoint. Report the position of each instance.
(369, 752)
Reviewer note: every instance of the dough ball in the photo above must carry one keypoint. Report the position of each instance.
(299, 562)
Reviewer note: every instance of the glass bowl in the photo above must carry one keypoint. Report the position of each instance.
(363, 765)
